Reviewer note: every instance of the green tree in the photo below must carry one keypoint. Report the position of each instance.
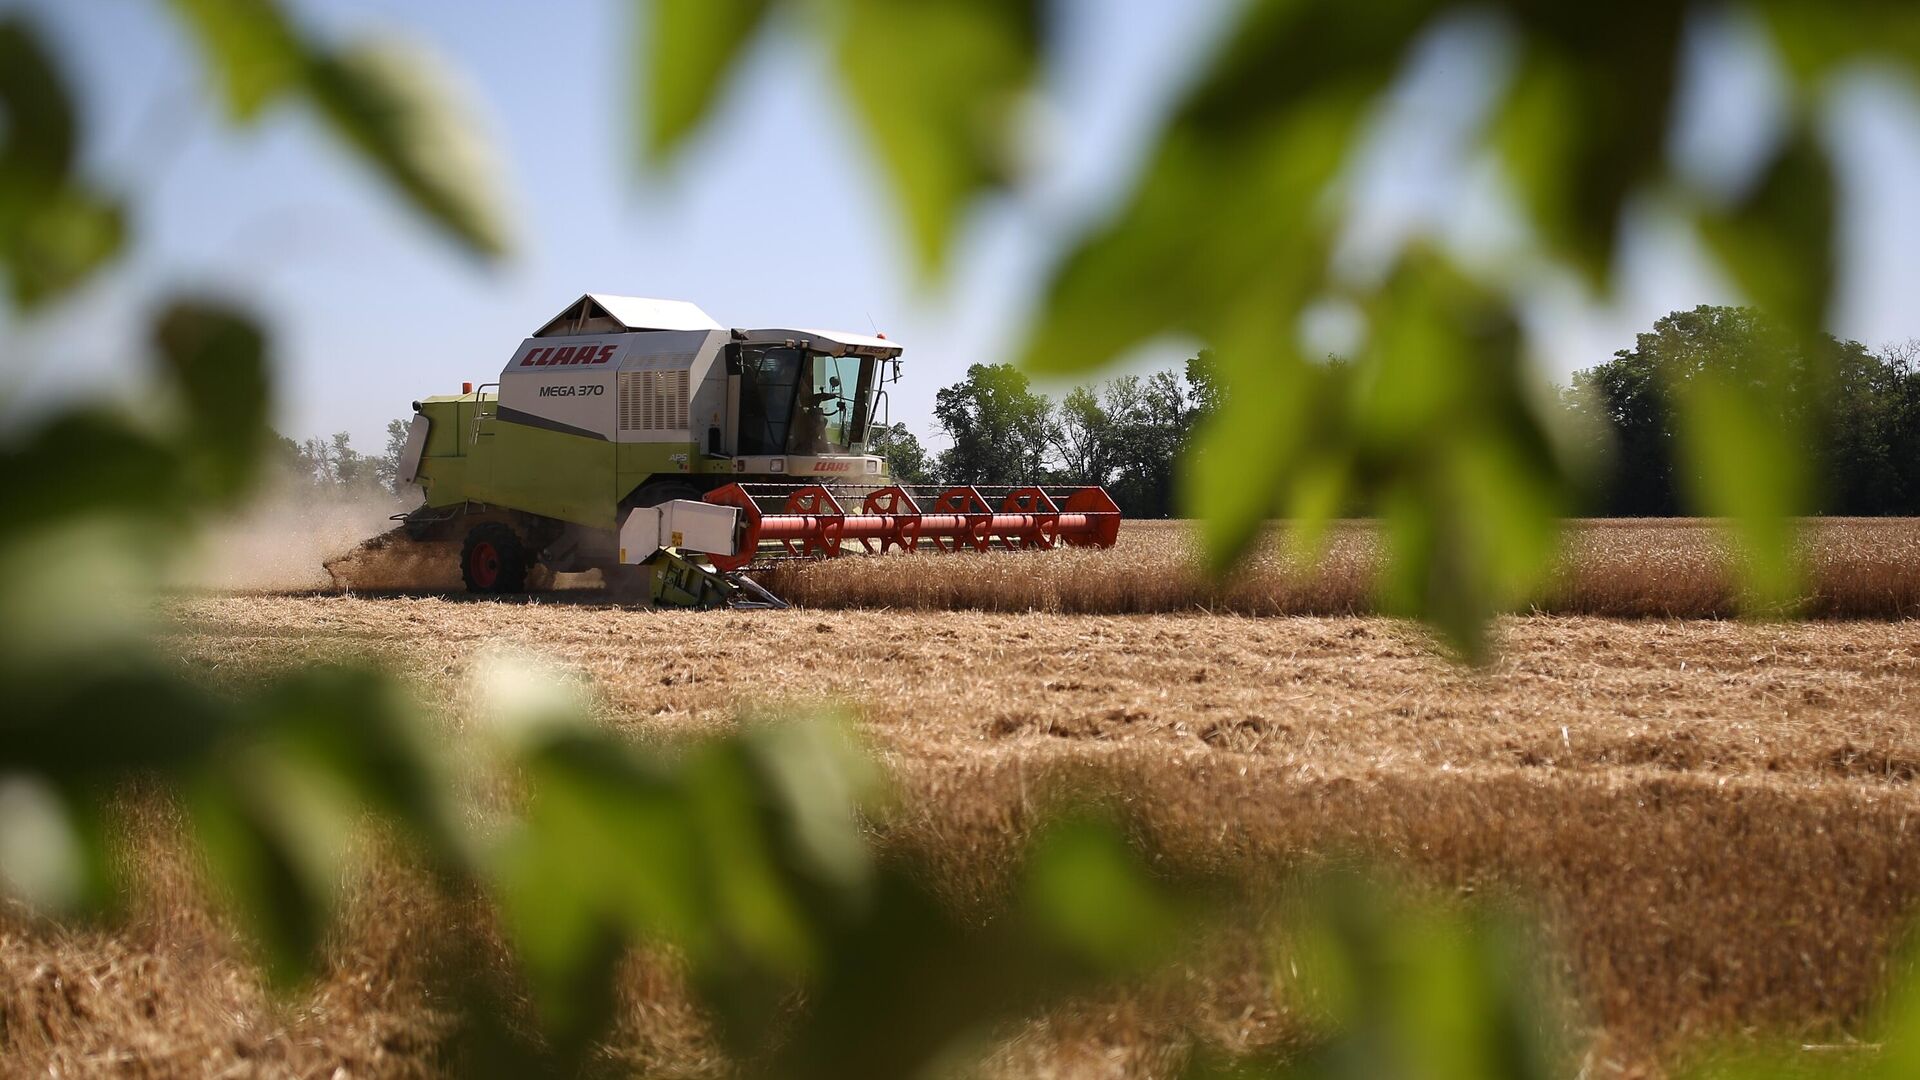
(1901, 415)
(1153, 419)
(1203, 384)
(906, 458)
(1083, 437)
(1001, 430)
(386, 468)
(1836, 400)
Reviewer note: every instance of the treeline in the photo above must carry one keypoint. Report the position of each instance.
(1859, 412)
(332, 466)
(1124, 435)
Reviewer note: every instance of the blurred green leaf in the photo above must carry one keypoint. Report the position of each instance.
(1814, 37)
(252, 49)
(1403, 986)
(352, 725)
(940, 85)
(40, 134)
(1451, 439)
(607, 849)
(1227, 233)
(1585, 124)
(217, 359)
(83, 462)
(1749, 461)
(1778, 243)
(753, 902)
(63, 240)
(301, 767)
(109, 721)
(1088, 891)
(397, 108)
(691, 45)
(1246, 454)
(1897, 1021)
(40, 851)
(906, 981)
(53, 231)
(817, 780)
(274, 836)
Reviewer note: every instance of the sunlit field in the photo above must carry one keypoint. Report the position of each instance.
(1856, 568)
(1712, 817)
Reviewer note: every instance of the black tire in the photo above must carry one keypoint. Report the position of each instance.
(494, 560)
(657, 492)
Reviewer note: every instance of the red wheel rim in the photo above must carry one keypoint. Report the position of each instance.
(486, 565)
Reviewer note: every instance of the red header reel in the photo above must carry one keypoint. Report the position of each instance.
(810, 521)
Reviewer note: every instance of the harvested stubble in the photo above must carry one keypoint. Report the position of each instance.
(172, 994)
(1857, 568)
(1714, 818)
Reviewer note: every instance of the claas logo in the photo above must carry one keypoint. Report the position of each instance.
(568, 354)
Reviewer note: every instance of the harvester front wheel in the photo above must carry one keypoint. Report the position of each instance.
(493, 560)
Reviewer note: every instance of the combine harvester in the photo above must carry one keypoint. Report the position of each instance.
(642, 439)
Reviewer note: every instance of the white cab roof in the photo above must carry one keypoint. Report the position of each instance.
(823, 340)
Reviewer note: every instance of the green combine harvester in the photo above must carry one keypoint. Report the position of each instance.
(642, 439)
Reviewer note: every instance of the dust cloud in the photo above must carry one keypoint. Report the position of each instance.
(391, 562)
(293, 540)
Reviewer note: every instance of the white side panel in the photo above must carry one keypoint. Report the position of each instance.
(416, 448)
(681, 523)
(710, 410)
(640, 534)
(564, 384)
(666, 391)
(699, 526)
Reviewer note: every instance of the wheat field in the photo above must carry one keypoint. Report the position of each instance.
(1713, 819)
(1855, 568)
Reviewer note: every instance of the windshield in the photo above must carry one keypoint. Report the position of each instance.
(798, 402)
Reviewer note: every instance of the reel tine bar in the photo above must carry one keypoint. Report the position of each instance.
(817, 503)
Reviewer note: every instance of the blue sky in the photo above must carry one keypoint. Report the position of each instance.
(775, 216)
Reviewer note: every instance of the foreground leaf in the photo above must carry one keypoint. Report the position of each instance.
(1227, 235)
(1778, 243)
(1748, 460)
(251, 48)
(1585, 126)
(691, 46)
(39, 131)
(940, 85)
(396, 107)
(55, 232)
(217, 359)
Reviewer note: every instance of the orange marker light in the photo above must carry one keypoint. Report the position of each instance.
(466, 388)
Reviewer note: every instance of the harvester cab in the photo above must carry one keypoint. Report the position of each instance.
(620, 405)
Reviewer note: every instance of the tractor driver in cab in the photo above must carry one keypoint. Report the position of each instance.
(812, 422)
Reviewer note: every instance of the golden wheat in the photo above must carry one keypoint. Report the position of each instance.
(1856, 568)
(1713, 818)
